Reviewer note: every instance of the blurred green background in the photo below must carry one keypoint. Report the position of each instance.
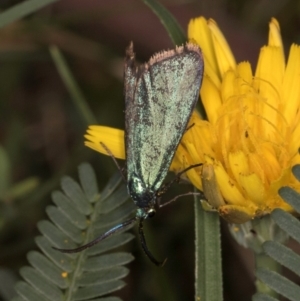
(42, 129)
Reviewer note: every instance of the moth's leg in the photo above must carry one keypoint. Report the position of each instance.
(189, 127)
(145, 247)
(166, 186)
(121, 170)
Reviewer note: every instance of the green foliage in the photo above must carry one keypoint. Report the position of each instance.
(169, 22)
(208, 255)
(81, 213)
(22, 10)
(280, 253)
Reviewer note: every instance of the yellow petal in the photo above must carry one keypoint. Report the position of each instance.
(223, 52)
(269, 74)
(229, 190)
(270, 71)
(199, 31)
(245, 72)
(275, 36)
(112, 138)
(228, 88)
(294, 146)
(291, 87)
(238, 163)
(253, 187)
(211, 99)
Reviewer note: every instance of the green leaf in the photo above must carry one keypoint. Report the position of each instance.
(283, 255)
(263, 297)
(287, 222)
(5, 172)
(21, 10)
(91, 273)
(280, 254)
(290, 196)
(72, 86)
(169, 22)
(279, 284)
(208, 255)
(296, 171)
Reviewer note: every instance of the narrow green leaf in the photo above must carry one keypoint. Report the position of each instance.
(22, 188)
(64, 224)
(21, 299)
(40, 283)
(88, 181)
(69, 210)
(103, 276)
(98, 290)
(290, 196)
(21, 10)
(116, 216)
(29, 293)
(283, 255)
(111, 186)
(279, 284)
(5, 172)
(110, 243)
(72, 86)
(117, 199)
(287, 222)
(108, 299)
(75, 194)
(56, 237)
(296, 171)
(263, 297)
(106, 261)
(47, 268)
(208, 278)
(61, 260)
(169, 22)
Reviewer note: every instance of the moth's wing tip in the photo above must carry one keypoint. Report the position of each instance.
(129, 51)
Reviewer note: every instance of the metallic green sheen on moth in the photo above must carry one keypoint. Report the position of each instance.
(159, 99)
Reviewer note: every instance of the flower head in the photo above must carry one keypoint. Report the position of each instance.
(251, 137)
(253, 123)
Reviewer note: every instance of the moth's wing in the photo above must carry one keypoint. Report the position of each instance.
(159, 100)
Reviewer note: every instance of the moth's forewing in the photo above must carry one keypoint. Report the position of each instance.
(159, 99)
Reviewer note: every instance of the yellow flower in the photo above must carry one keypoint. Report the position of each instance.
(251, 137)
(253, 128)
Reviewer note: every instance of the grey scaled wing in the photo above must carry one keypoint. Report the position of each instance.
(159, 99)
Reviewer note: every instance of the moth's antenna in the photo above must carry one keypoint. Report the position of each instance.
(145, 248)
(115, 161)
(100, 238)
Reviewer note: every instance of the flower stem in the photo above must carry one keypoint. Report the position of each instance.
(208, 265)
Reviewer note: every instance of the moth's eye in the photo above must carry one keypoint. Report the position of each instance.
(151, 213)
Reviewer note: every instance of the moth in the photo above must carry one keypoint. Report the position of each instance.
(160, 97)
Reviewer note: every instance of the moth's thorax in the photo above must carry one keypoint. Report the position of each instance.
(142, 196)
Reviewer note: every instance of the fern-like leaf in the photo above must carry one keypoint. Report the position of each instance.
(81, 213)
(280, 253)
